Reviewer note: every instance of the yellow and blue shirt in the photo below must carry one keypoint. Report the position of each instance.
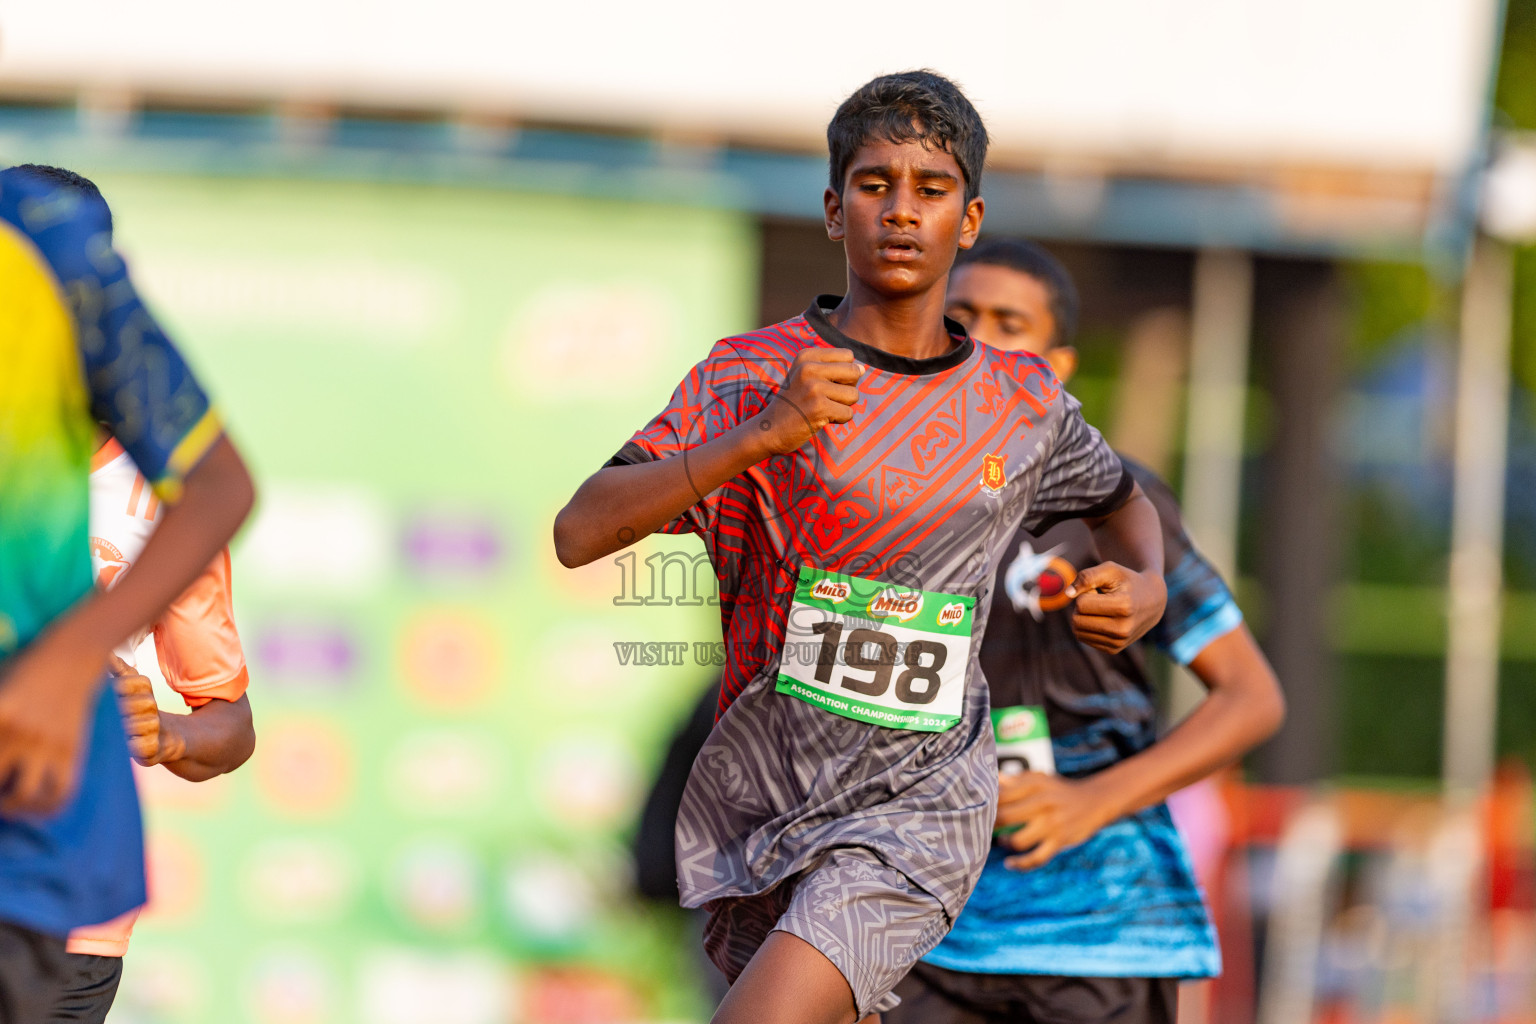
(76, 347)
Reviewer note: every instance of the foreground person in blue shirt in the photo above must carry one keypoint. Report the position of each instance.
(1087, 912)
(78, 349)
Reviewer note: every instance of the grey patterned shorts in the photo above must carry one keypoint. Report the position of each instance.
(866, 917)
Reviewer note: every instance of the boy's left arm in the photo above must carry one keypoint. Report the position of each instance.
(1122, 597)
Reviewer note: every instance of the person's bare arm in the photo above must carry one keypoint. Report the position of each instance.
(47, 688)
(1119, 599)
(215, 738)
(1243, 707)
(618, 505)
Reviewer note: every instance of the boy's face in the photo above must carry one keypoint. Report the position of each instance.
(1009, 310)
(902, 216)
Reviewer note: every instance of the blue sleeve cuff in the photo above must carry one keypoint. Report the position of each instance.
(1198, 637)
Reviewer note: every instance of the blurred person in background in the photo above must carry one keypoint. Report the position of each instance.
(655, 845)
(78, 348)
(1088, 910)
(200, 655)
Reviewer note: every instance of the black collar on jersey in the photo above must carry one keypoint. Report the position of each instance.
(816, 316)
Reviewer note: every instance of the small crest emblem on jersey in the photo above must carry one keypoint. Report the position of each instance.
(109, 561)
(951, 614)
(992, 476)
(900, 605)
(828, 590)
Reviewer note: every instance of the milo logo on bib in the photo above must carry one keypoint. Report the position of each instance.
(866, 650)
(896, 604)
(1022, 725)
(827, 590)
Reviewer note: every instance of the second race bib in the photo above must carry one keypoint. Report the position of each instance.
(876, 652)
(1023, 741)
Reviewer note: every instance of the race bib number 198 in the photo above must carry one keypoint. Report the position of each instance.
(877, 653)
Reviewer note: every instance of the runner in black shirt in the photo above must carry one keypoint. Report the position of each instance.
(1099, 915)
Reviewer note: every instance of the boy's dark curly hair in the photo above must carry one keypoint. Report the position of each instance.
(912, 106)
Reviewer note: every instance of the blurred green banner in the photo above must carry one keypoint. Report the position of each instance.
(450, 754)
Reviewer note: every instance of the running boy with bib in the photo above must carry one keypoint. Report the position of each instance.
(856, 474)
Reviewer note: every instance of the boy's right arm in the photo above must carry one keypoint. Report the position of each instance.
(618, 505)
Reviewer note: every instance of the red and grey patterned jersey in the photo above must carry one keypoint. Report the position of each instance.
(942, 462)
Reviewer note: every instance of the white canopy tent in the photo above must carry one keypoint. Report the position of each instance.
(1369, 84)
